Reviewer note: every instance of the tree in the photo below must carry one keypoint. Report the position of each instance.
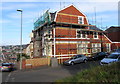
(24, 56)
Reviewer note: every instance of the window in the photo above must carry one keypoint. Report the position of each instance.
(81, 34)
(108, 47)
(113, 56)
(96, 47)
(82, 48)
(49, 33)
(95, 35)
(84, 34)
(79, 55)
(80, 20)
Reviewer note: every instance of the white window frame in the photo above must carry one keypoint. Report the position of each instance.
(81, 35)
(82, 48)
(85, 35)
(108, 46)
(79, 19)
(77, 34)
(94, 35)
(96, 47)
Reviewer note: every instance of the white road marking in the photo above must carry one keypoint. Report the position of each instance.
(8, 77)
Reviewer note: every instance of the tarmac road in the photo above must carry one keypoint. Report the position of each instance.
(47, 73)
(5, 76)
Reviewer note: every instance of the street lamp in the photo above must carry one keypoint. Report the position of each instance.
(20, 40)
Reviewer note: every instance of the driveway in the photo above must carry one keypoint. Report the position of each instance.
(49, 74)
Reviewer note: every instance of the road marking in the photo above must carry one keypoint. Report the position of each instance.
(8, 77)
(12, 79)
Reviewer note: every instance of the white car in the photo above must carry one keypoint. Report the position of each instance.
(114, 57)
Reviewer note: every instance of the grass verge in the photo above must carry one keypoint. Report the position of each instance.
(107, 73)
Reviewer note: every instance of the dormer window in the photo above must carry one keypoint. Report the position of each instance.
(80, 20)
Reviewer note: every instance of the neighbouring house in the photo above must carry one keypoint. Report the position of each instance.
(29, 49)
(113, 34)
(65, 33)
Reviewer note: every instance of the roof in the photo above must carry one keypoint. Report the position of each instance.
(94, 28)
(113, 29)
(70, 15)
(113, 33)
(69, 8)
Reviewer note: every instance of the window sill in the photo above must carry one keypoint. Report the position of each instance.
(83, 38)
(95, 38)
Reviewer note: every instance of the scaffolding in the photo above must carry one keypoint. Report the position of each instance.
(45, 18)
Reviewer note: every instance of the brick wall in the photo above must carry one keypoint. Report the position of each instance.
(36, 62)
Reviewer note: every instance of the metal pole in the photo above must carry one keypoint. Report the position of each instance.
(20, 41)
(21, 44)
(54, 42)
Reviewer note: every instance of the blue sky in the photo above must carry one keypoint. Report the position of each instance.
(32, 9)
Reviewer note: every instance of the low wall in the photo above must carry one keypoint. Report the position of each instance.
(36, 62)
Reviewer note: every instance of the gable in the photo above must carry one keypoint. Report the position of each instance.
(70, 15)
(72, 11)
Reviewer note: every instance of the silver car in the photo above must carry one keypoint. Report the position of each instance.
(75, 59)
(114, 57)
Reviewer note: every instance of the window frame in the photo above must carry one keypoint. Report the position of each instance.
(95, 35)
(79, 21)
(81, 34)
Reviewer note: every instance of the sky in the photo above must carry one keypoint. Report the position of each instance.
(106, 15)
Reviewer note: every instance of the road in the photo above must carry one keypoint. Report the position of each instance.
(47, 74)
(5, 76)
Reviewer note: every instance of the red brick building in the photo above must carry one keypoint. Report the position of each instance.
(66, 33)
(113, 34)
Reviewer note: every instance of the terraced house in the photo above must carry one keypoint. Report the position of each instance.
(67, 32)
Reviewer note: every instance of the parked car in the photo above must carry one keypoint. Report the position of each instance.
(75, 59)
(114, 57)
(98, 56)
(0, 66)
(117, 50)
(7, 67)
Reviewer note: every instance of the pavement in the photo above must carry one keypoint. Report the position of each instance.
(47, 73)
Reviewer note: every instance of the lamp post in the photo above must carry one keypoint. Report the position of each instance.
(20, 41)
